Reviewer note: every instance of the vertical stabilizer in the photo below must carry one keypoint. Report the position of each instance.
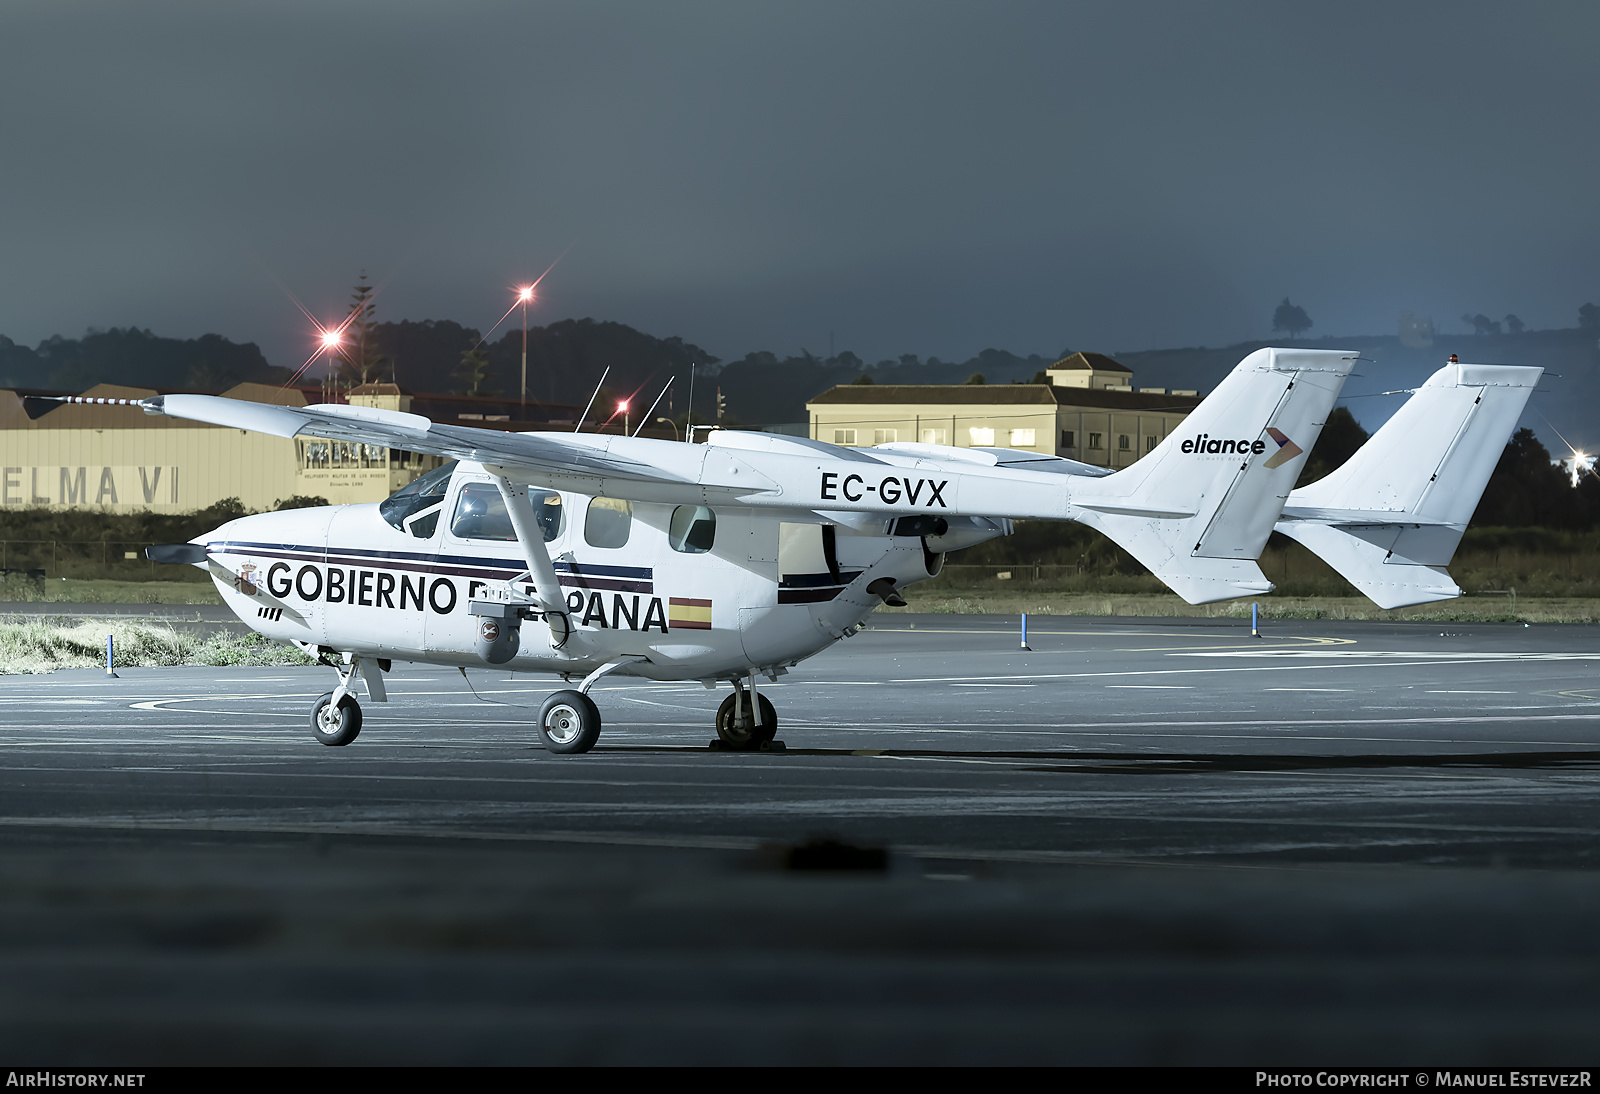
(1197, 510)
(1390, 518)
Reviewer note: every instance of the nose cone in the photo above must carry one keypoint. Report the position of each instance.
(291, 527)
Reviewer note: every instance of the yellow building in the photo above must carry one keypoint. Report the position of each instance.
(1089, 412)
(117, 459)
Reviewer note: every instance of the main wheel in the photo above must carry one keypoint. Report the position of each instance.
(336, 725)
(748, 737)
(569, 722)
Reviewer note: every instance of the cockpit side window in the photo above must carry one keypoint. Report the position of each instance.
(415, 508)
(481, 513)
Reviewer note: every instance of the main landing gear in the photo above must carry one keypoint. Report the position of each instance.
(746, 721)
(569, 723)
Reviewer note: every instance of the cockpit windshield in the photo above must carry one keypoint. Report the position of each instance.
(415, 508)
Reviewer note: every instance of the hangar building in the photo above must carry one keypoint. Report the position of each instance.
(116, 459)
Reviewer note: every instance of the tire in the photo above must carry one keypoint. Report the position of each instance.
(569, 723)
(336, 728)
(751, 737)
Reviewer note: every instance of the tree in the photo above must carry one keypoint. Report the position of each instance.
(863, 379)
(977, 378)
(472, 372)
(1589, 317)
(1292, 318)
(1515, 325)
(1341, 436)
(1481, 324)
(360, 359)
(1527, 489)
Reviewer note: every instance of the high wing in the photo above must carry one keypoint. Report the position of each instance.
(1197, 510)
(1389, 519)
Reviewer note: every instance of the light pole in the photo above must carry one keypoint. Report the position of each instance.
(524, 295)
(673, 424)
(623, 406)
(330, 344)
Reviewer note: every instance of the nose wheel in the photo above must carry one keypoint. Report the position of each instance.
(336, 723)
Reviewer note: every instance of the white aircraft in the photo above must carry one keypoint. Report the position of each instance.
(584, 555)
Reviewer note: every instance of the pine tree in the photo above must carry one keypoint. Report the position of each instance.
(472, 372)
(360, 360)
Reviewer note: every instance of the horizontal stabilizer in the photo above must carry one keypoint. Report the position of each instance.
(1357, 516)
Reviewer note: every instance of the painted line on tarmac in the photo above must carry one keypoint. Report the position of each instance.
(1444, 657)
(1348, 664)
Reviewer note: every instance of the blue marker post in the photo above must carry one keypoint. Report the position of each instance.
(1025, 633)
(1255, 629)
(111, 656)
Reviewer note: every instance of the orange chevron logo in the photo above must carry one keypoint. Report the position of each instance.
(1287, 449)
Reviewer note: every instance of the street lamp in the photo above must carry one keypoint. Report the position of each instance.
(673, 424)
(524, 295)
(622, 408)
(330, 344)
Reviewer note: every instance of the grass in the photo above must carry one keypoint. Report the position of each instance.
(24, 589)
(44, 644)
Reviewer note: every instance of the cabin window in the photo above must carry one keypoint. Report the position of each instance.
(481, 513)
(1022, 438)
(415, 508)
(693, 529)
(982, 437)
(608, 522)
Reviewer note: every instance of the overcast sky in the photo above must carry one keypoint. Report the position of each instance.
(914, 177)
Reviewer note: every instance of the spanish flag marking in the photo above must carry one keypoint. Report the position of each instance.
(690, 615)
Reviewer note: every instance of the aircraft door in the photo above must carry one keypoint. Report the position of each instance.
(376, 582)
(807, 574)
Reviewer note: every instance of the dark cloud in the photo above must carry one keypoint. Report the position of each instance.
(916, 177)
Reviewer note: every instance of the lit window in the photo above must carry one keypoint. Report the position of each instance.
(844, 436)
(608, 523)
(1022, 438)
(885, 436)
(981, 437)
(934, 436)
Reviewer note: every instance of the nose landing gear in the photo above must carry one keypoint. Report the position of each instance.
(336, 716)
(336, 723)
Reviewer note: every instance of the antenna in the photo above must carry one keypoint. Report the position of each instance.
(653, 406)
(688, 422)
(592, 398)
